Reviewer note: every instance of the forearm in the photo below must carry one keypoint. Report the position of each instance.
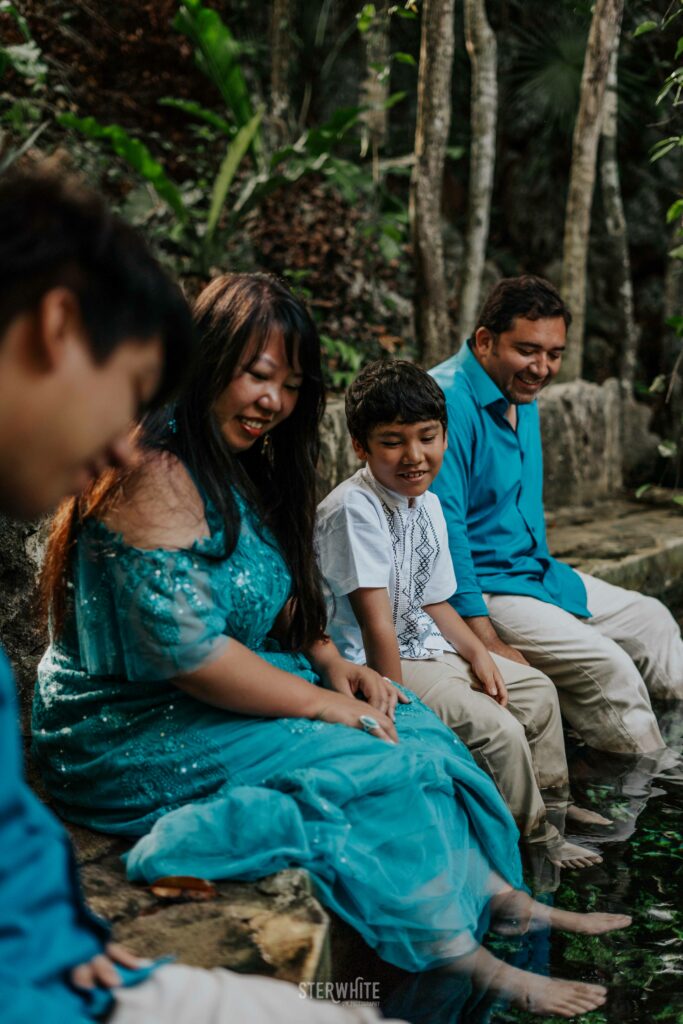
(456, 629)
(482, 627)
(382, 651)
(322, 655)
(239, 680)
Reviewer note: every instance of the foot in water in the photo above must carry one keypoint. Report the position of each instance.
(583, 816)
(569, 855)
(515, 913)
(532, 992)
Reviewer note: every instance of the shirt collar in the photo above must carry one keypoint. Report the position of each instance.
(390, 498)
(485, 391)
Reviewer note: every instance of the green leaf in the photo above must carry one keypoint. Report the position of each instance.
(395, 98)
(675, 211)
(679, 48)
(645, 26)
(664, 146)
(676, 324)
(234, 156)
(667, 449)
(365, 17)
(678, 498)
(676, 253)
(201, 113)
(135, 153)
(7, 7)
(643, 490)
(405, 58)
(455, 152)
(25, 58)
(217, 53)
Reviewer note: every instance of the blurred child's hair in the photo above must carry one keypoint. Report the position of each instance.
(392, 391)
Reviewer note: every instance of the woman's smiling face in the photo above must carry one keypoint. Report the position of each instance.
(262, 393)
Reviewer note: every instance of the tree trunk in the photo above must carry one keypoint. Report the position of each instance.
(375, 87)
(280, 35)
(616, 224)
(431, 136)
(603, 33)
(482, 50)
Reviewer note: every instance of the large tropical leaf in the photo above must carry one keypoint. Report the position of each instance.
(217, 54)
(233, 158)
(135, 153)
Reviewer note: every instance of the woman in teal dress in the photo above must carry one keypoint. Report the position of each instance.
(190, 696)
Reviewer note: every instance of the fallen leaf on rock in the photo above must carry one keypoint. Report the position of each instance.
(183, 887)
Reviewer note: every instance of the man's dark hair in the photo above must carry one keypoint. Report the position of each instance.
(55, 232)
(392, 391)
(527, 296)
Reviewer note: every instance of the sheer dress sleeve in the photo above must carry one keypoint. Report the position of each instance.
(146, 614)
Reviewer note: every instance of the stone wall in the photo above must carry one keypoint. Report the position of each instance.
(596, 438)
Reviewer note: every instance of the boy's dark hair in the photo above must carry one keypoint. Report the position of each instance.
(527, 296)
(55, 232)
(392, 391)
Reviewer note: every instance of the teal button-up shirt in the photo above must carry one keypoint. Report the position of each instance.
(491, 490)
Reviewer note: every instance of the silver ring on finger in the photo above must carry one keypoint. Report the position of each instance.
(368, 723)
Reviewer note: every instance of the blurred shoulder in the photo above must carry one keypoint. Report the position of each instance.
(159, 506)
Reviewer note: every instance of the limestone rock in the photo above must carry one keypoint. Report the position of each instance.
(337, 458)
(582, 442)
(275, 927)
(22, 633)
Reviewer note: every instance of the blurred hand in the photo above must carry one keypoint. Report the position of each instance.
(100, 972)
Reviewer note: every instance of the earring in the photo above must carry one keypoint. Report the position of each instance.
(267, 449)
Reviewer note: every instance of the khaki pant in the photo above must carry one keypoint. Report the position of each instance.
(177, 994)
(521, 746)
(604, 666)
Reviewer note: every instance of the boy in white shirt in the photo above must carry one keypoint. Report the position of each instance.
(383, 548)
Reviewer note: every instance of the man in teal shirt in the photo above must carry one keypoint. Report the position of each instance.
(603, 646)
(91, 329)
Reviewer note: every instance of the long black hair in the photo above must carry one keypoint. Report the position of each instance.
(278, 473)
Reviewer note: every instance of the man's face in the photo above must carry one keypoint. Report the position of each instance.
(523, 359)
(72, 420)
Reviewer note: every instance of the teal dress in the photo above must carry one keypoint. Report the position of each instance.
(406, 843)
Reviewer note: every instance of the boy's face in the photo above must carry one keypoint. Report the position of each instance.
(404, 457)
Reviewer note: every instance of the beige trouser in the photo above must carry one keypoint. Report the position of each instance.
(178, 994)
(604, 666)
(521, 746)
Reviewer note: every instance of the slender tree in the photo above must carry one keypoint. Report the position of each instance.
(616, 223)
(280, 36)
(375, 87)
(604, 31)
(481, 47)
(431, 136)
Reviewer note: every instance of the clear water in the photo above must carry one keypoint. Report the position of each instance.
(641, 874)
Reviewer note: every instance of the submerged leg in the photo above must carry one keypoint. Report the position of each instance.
(526, 991)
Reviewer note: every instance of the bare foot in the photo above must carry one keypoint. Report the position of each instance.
(531, 992)
(545, 996)
(516, 913)
(587, 924)
(582, 816)
(569, 855)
